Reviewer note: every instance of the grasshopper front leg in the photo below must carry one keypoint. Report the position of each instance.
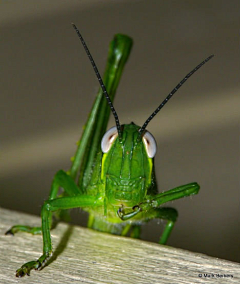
(49, 207)
(73, 200)
(150, 207)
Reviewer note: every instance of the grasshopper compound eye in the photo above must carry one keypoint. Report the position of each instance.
(150, 144)
(108, 139)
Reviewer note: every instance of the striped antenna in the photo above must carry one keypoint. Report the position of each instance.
(141, 130)
(100, 82)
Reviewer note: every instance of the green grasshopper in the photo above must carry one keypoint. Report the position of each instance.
(112, 176)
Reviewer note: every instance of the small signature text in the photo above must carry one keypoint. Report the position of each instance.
(214, 275)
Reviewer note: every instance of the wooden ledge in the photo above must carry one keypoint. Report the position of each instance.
(85, 256)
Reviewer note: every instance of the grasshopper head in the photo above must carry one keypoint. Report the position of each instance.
(127, 165)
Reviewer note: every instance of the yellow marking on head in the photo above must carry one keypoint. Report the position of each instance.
(103, 161)
(150, 161)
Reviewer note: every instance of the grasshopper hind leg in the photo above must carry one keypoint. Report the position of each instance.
(22, 228)
(135, 232)
(169, 214)
(165, 213)
(62, 215)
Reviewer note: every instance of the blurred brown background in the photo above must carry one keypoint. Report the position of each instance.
(48, 87)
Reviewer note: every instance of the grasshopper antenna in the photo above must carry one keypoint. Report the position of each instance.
(141, 130)
(100, 82)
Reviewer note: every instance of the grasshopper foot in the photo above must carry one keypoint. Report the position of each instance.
(27, 267)
(9, 232)
(35, 264)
